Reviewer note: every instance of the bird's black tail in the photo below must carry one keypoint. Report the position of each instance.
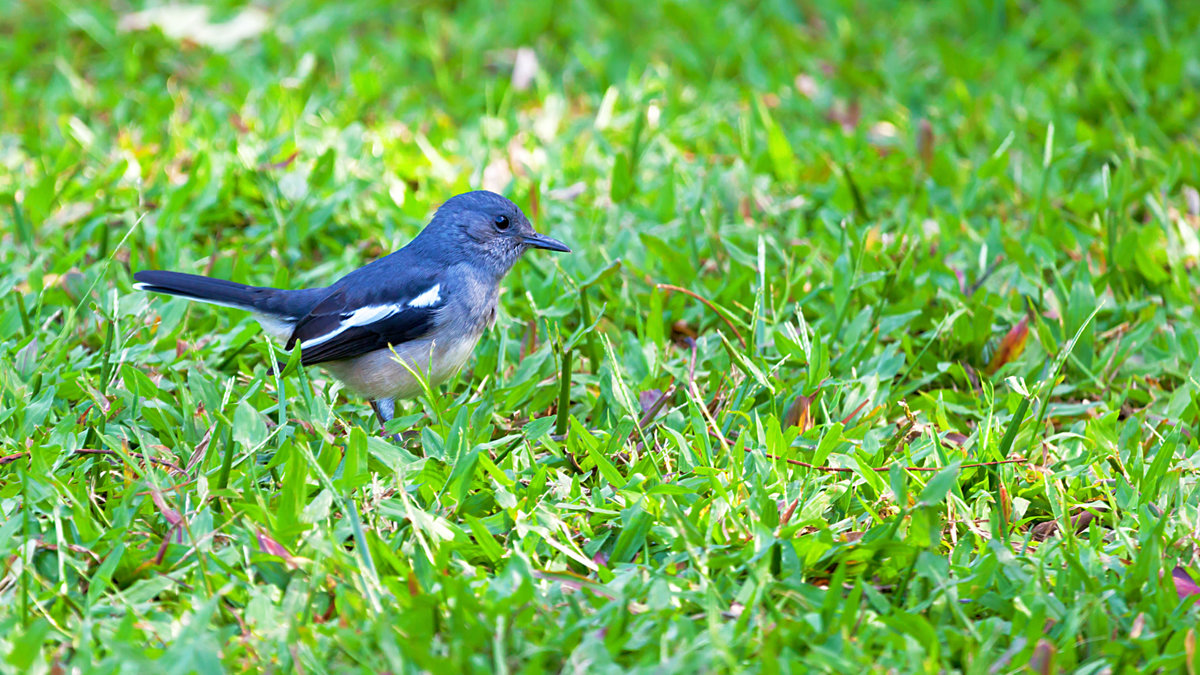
(205, 289)
(275, 308)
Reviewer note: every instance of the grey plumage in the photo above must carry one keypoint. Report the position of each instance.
(422, 308)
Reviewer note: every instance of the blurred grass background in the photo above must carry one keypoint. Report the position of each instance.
(930, 235)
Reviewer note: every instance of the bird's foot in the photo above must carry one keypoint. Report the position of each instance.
(385, 410)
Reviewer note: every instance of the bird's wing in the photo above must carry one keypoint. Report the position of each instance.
(348, 322)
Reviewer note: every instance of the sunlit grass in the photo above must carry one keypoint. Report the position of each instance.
(945, 254)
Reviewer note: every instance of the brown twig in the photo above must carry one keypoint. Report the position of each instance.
(987, 273)
(170, 488)
(9, 459)
(654, 408)
(846, 469)
(860, 407)
(574, 582)
(670, 287)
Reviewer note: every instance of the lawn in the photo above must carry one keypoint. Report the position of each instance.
(877, 350)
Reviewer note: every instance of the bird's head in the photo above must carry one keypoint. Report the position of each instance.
(489, 230)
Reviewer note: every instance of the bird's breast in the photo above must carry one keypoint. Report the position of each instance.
(397, 372)
(391, 373)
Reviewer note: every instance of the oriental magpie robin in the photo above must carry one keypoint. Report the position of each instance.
(420, 309)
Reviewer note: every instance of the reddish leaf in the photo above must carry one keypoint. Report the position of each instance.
(269, 546)
(962, 280)
(1042, 660)
(1005, 505)
(535, 201)
(1189, 648)
(1011, 346)
(652, 402)
(201, 449)
(287, 161)
(799, 413)
(169, 513)
(925, 143)
(236, 121)
(648, 398)
(1185, 586)
(955, 438)
(786, 516)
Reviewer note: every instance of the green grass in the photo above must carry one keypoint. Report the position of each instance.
(869, 197)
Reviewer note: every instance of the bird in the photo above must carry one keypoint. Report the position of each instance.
(420, 309)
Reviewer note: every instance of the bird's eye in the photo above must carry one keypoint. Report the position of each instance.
(501, 222)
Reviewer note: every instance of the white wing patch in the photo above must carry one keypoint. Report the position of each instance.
(364, 316)
(428, 298)
(360, 317)
(279, 328)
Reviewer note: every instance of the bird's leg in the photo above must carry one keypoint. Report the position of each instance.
(385, 409)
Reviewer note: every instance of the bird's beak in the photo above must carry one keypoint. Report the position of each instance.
(542, 241)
